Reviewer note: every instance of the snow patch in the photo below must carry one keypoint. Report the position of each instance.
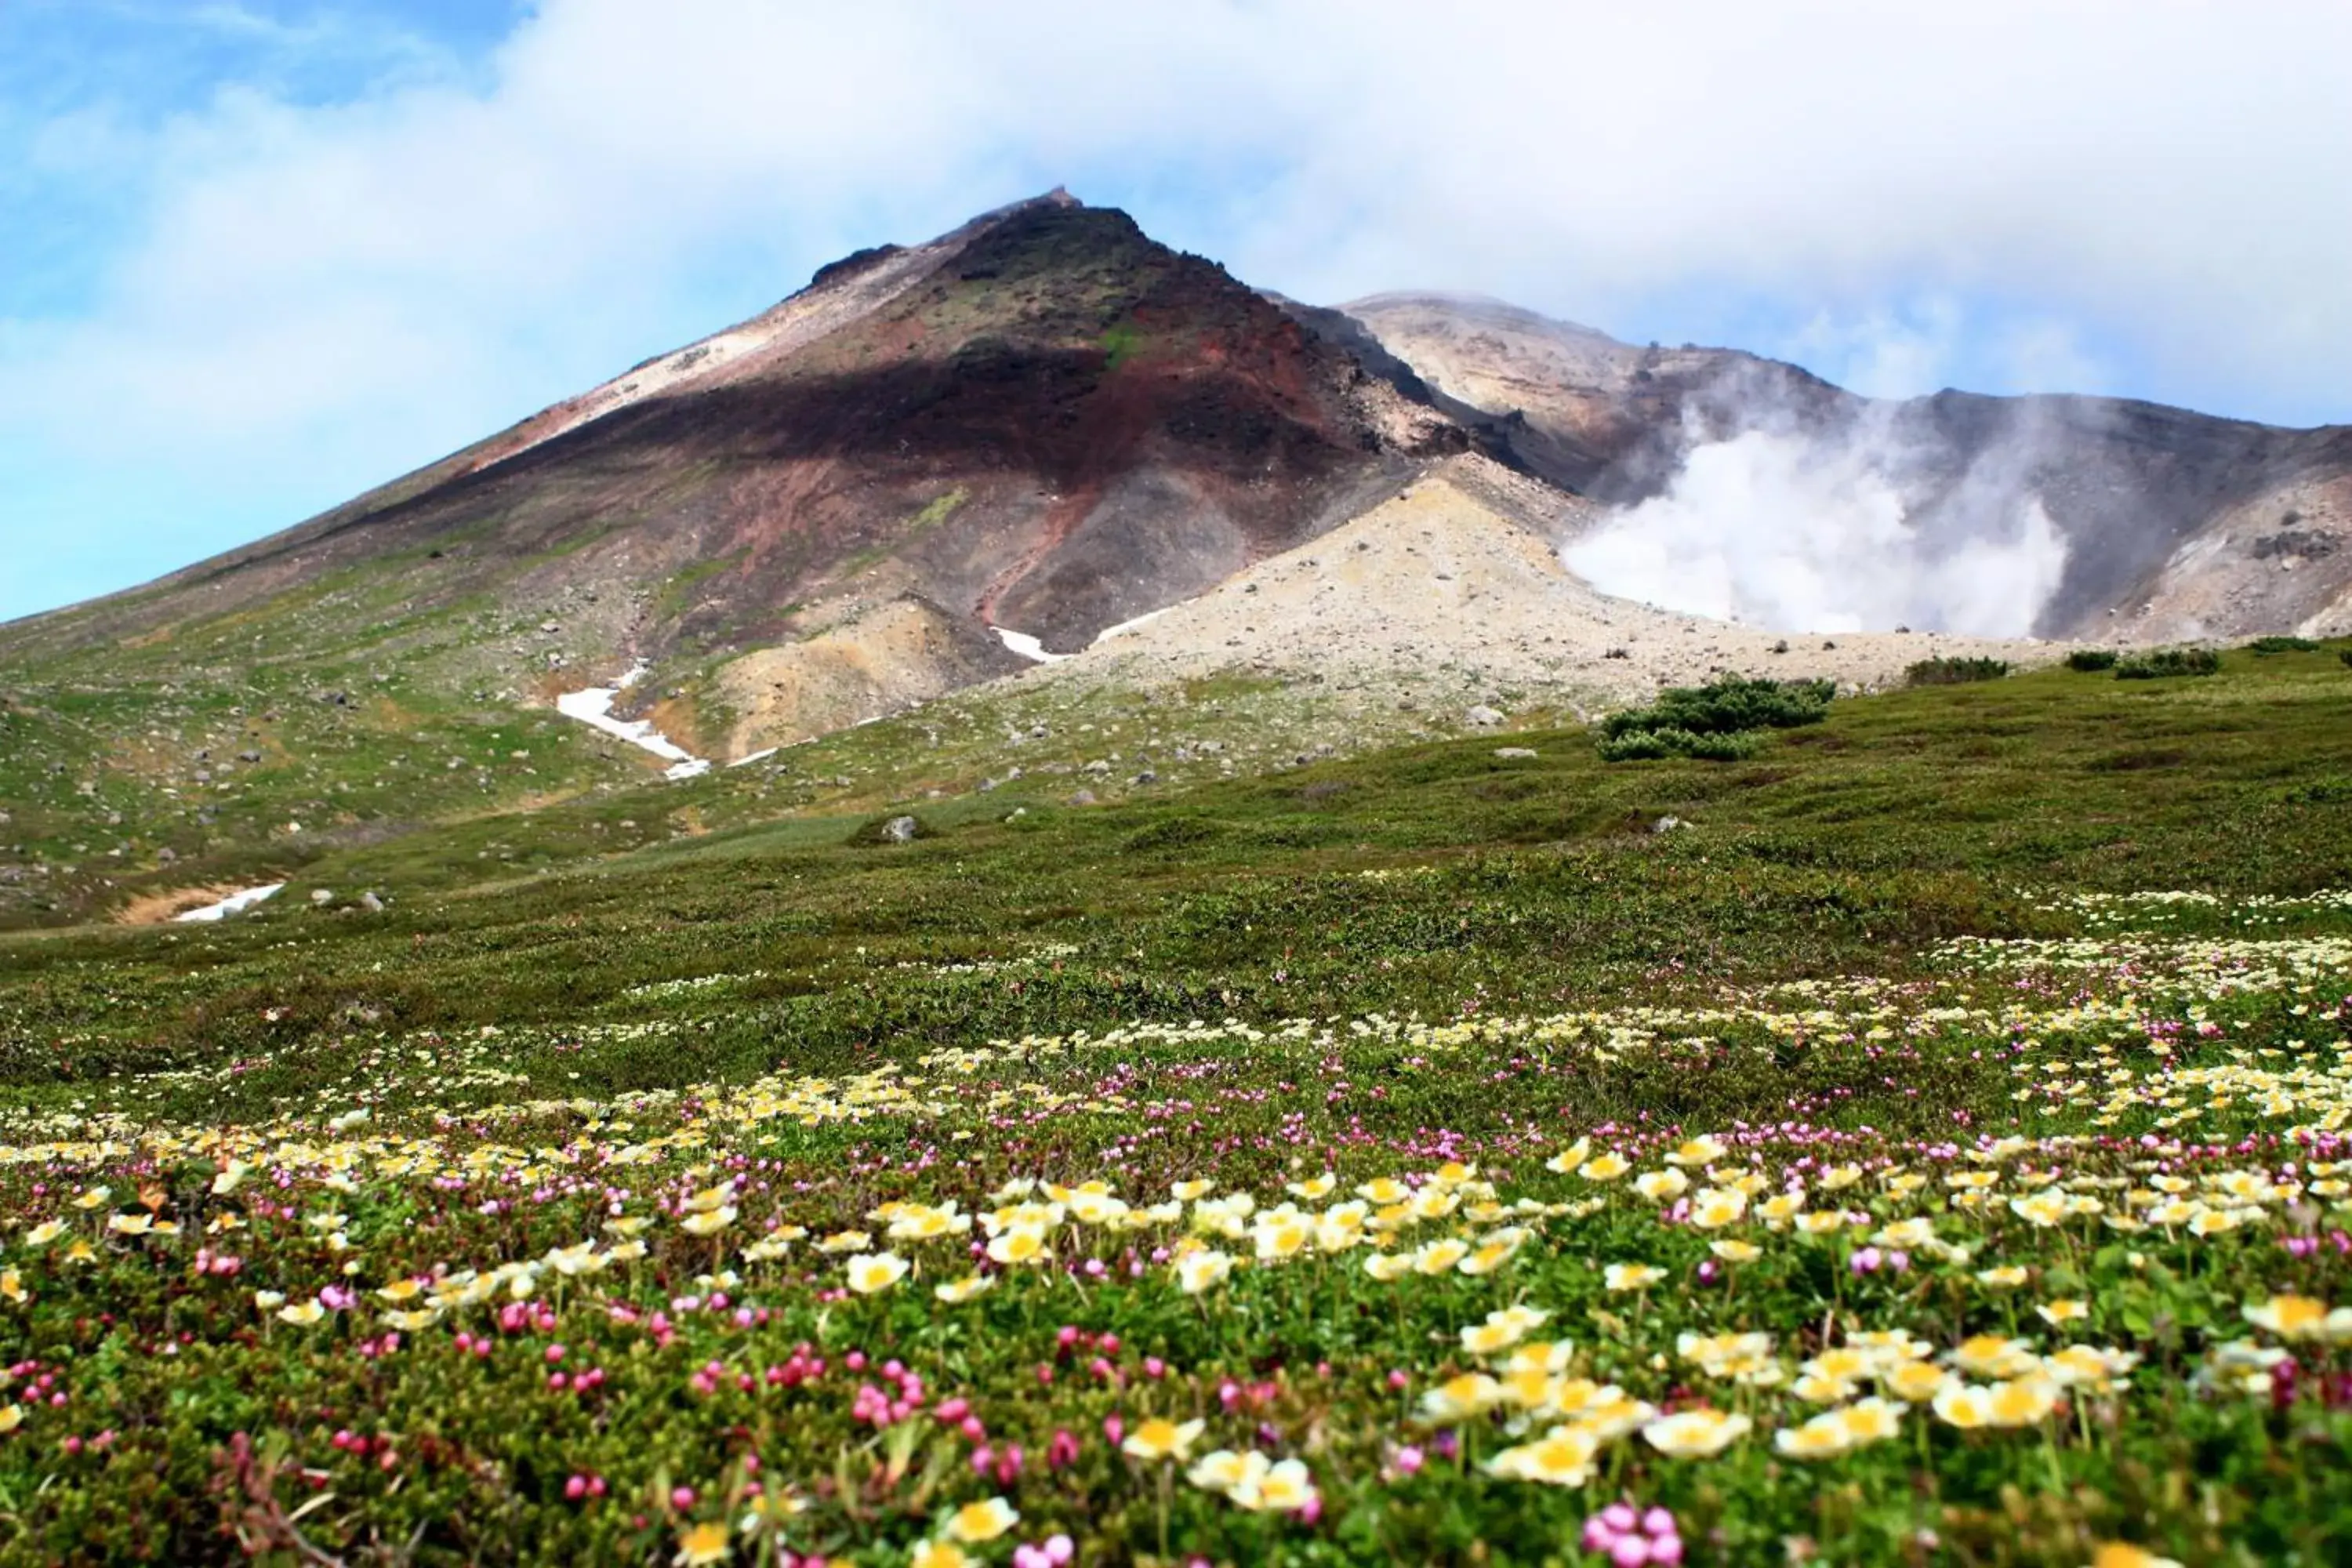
(593, 706)
(1137, 625)
(234, 904)
(1027, 647)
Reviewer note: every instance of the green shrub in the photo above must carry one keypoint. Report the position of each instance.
(2090, 661)
(2346, 656)
(2281, 645)
(1954, 671)
(1648, 745)
(1727, 706)
(2168, 661)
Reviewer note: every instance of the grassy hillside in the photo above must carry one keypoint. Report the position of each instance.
(576, 1183)
(1903, 820)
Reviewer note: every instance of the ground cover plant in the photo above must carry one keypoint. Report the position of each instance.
(2090, 661)
(2166, 662)
(1953, 671)
(1931, 1149)
(1723, 721)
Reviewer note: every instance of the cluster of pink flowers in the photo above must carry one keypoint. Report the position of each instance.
(1054, 1552)
(802, 1365)
(1631, 1538)
(387, 1456)
(516, 1317)
(880, 1409)
(40, 1387)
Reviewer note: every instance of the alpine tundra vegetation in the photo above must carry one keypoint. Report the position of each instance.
(1925, 1137)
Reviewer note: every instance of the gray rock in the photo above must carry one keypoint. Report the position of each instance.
(1146, 777)
(1667, 825)
(1483, 717)
(1083, 797)
(322, 895)
(900, 830)
(370, 903)
(1520, 753)
(248, 756)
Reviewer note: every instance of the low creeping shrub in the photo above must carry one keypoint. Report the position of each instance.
(2164, 662)
(2090, 660)
(2281, 645)
(1728, 706)
(1954, 671)
(1646, 745)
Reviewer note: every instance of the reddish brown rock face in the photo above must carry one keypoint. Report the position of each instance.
(1045, 421)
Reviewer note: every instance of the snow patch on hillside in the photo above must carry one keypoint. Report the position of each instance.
(1027, 647)
(234, 904)
(593, 706)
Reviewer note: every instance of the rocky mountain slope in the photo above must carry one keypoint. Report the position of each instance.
(1044, 422)
(2177, 525)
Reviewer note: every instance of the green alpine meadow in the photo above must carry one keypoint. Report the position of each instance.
(1922, 1138)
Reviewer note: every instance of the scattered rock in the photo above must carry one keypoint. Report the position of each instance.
(248, 756)
(1515, 754)
(1083, 797)
(322, 896)
(900, 830)
(371, 903)
(1146, 777)
(1483, 717)
(1667, 825)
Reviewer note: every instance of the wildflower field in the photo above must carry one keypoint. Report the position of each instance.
(1938, 1150)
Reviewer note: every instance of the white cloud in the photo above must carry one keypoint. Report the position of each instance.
(1803, 534)
(324, 294)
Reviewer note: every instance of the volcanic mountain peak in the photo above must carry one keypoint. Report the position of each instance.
(1044, 421)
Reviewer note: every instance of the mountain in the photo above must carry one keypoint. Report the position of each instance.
(2177, 525)
(1044, 422)
(1042, 447)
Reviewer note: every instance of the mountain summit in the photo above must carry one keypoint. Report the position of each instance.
(1043, 423)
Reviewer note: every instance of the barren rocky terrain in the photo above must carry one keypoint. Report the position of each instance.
(1456, 584)
(2178, 525)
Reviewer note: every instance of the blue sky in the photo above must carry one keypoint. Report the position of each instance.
(260, 254)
